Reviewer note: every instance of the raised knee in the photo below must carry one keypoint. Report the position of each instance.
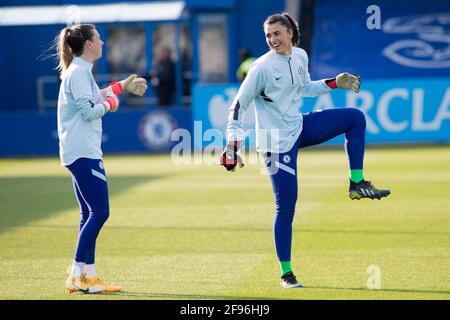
(358, 116)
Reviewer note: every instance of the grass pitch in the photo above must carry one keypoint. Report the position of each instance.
(199, 232)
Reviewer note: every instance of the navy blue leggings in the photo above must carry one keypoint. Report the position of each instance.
(91, 191)
(318, 127)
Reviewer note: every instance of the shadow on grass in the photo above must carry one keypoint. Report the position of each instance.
(258, 229)
(378, 232)
(24, 200)
(173, 296)
(383, 290)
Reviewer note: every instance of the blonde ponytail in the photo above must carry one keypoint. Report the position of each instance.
(65, 54)
(70, 44)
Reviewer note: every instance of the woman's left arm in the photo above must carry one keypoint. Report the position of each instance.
(312, 88)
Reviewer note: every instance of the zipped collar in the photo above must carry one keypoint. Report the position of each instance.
(285, 59)
(282, 57)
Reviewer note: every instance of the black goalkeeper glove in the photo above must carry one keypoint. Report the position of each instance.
(230, 157)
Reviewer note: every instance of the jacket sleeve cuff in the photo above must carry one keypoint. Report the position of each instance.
(331, 83)
(116, 88)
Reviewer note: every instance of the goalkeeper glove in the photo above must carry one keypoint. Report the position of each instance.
(134, 85)
(348, 81)
(231, 157)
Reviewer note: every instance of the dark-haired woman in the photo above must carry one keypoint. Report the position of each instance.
(275, 83)
(81, 105)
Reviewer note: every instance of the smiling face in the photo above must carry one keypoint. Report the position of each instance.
(278, 38)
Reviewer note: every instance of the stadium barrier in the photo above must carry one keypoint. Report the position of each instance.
(147, 131)
(397, 111)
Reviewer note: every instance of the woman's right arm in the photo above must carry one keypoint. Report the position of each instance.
(249, 89)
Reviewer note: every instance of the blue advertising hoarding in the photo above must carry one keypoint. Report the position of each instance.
(410, 110)
(148, 131)
(381, 39)
(397, 111)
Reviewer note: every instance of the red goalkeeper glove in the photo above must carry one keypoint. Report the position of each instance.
(230, 157)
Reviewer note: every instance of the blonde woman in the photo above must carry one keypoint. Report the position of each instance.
(81, 105)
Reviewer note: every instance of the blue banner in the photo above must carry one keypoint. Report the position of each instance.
(381, 39)
(413, 110)
(147, 130)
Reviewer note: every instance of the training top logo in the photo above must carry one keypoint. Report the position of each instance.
(286, 158)
(100, 164)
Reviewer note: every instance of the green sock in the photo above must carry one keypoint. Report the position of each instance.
(356, 175)
(285, 267)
